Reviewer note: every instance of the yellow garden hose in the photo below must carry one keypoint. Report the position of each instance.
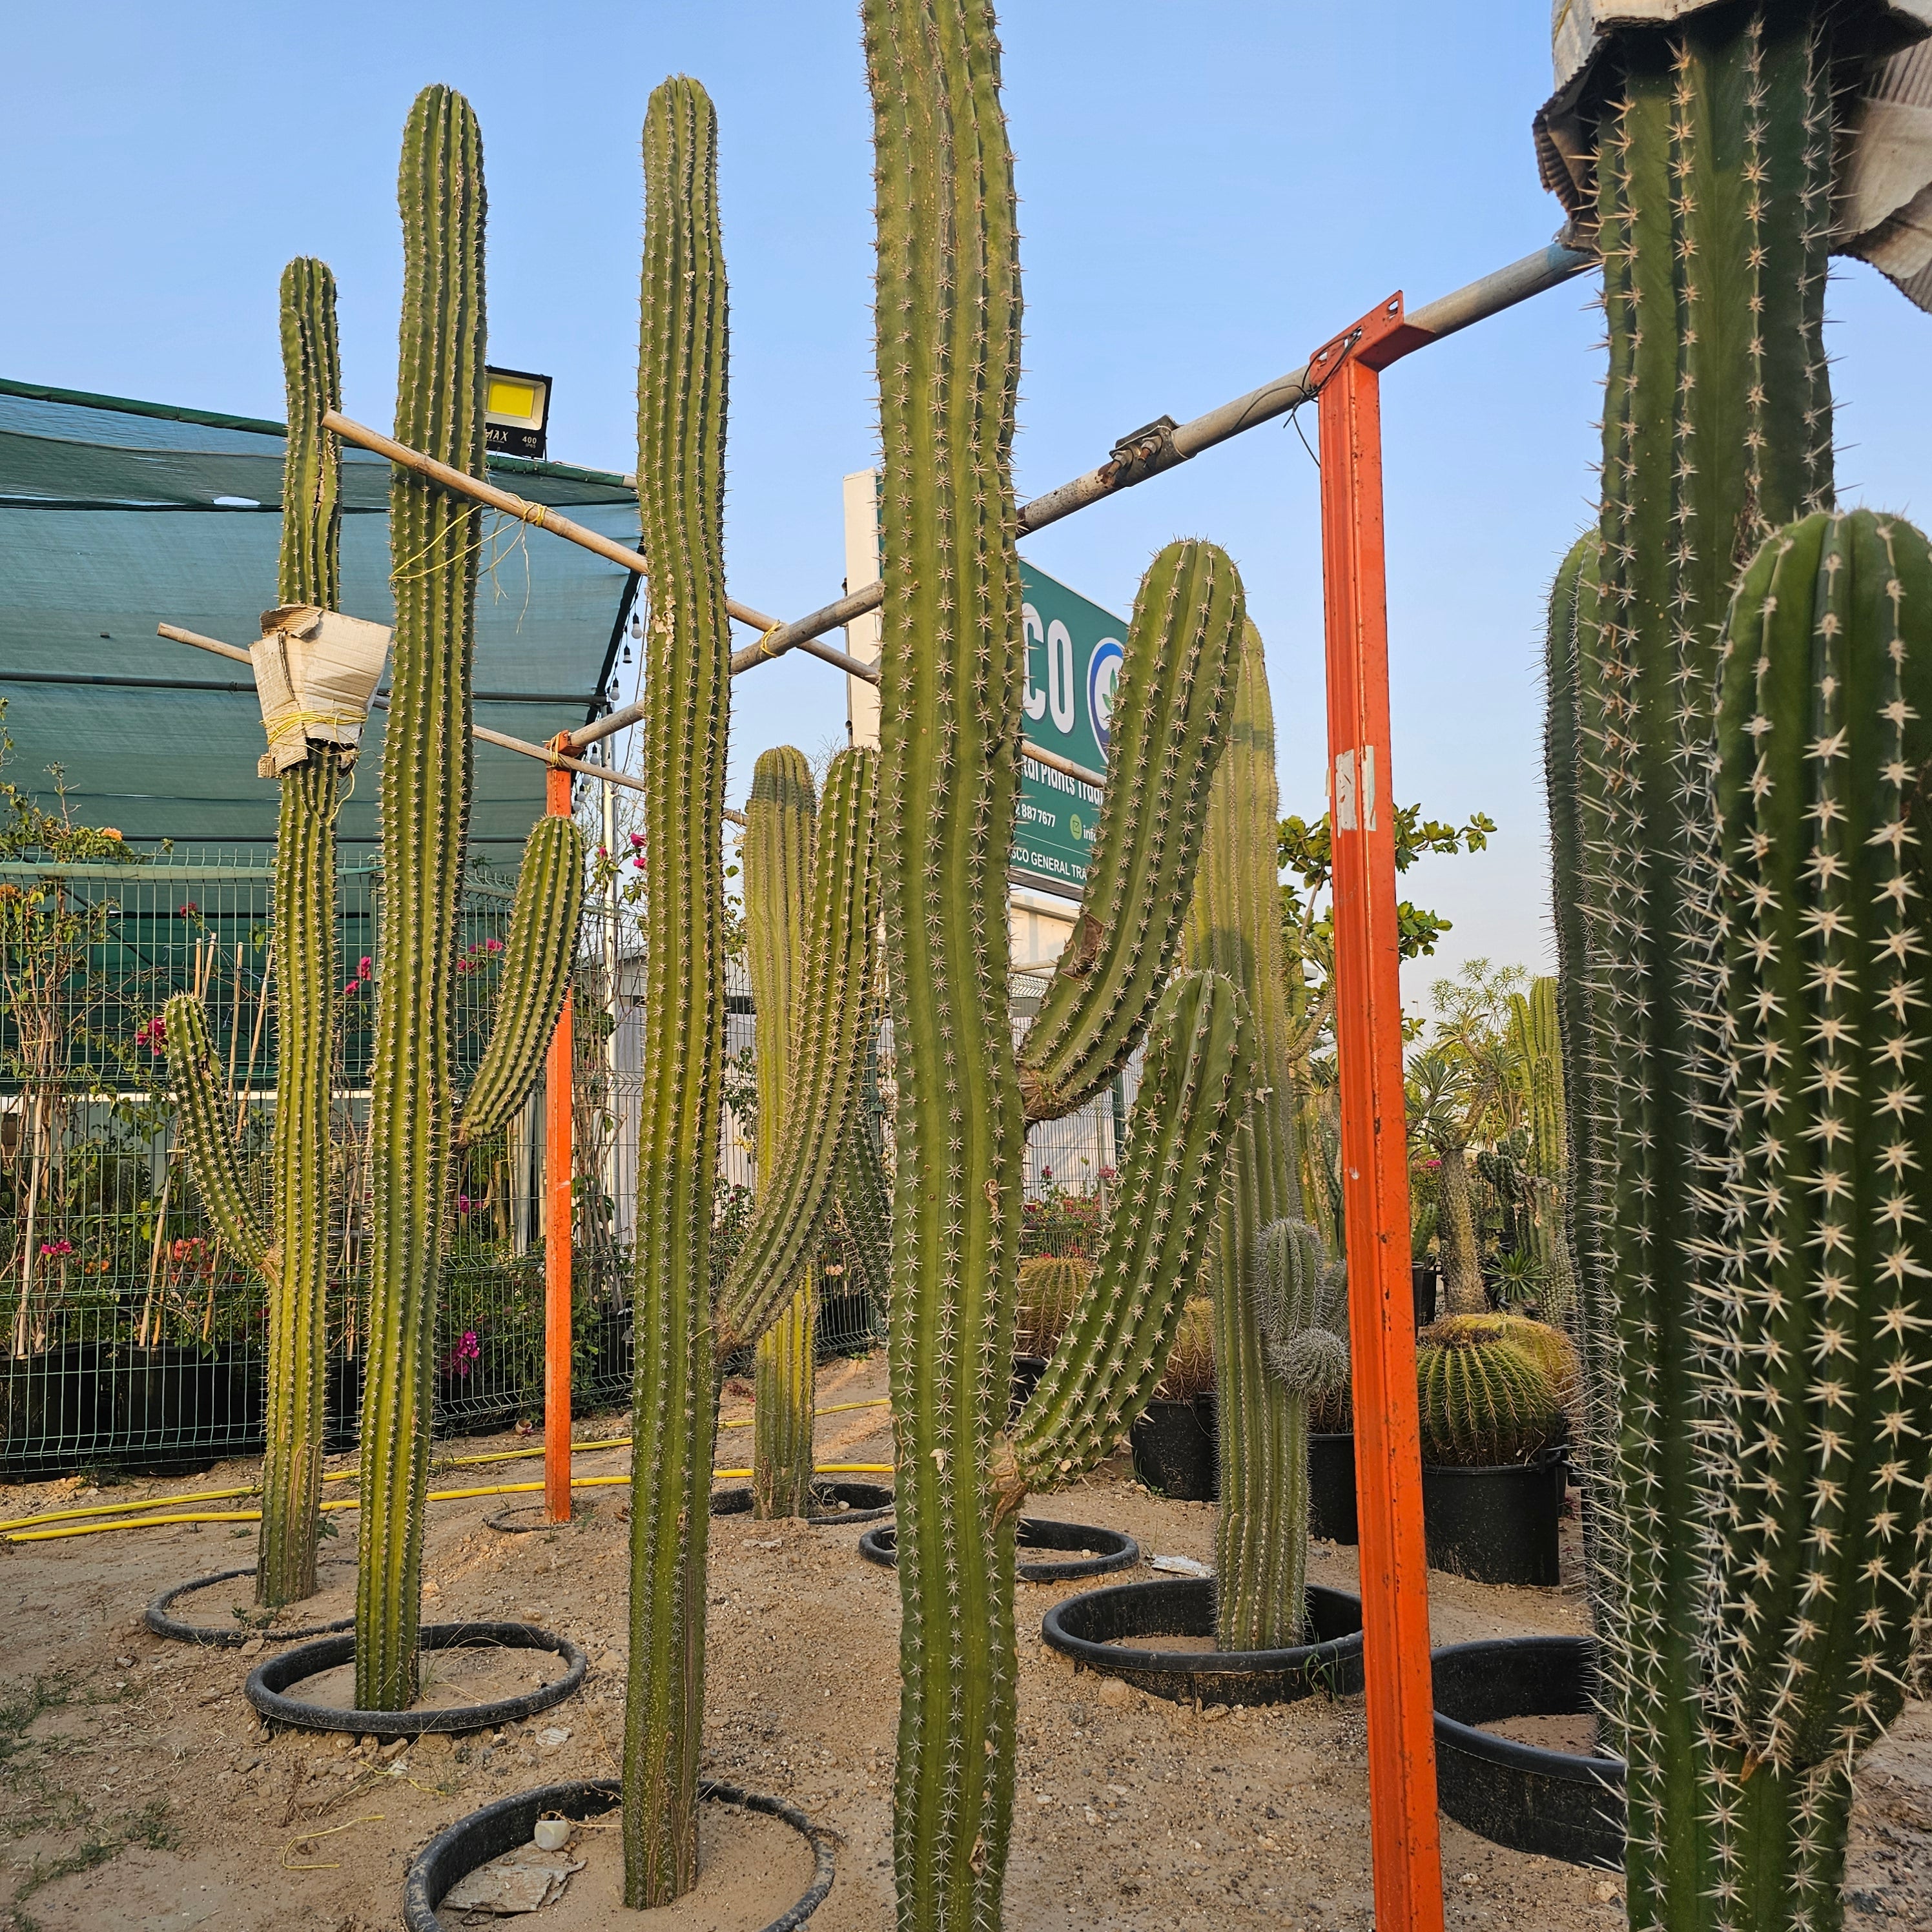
(39, 1535)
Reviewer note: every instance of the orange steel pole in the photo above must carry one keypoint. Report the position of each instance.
(1405, 1843)
(557, 1163)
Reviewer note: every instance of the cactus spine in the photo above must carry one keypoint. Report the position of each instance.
(413, 1117)
(1170, 719)
(681, 408)
(1235, 927)
(294, 1264)
(1816, 1462)
(814, 1111)
(777, 859)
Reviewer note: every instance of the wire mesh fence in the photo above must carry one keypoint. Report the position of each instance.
(136, 1340)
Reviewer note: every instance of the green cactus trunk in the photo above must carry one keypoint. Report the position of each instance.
(681, 404)
(1235, 927)
(293, 1261)
(434, 538)
(1714, 174)
(780, 816)
(948, 318)
(1817, 1456)
(304, 962)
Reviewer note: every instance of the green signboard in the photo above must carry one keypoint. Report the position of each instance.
(1073, 654)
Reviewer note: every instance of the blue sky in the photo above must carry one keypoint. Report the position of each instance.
(1208, 190)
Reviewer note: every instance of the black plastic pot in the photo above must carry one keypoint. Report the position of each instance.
(1423, 1284)
(54, 1411)
(864, 1502)
(1495, 1526)
(1331, 1488)
(270, 1680)
(457, 1851)
(1107, 1549)
(1174, 1449)
(1028, 1370)
(1562, 1804)
(160, 1619)
(177, 1410)
(1090, 1627)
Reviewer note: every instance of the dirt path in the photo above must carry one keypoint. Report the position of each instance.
(138, 1773)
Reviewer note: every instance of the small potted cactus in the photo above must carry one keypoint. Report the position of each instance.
(1318, 1363)
(1492, 1390)
(1050, 1289)
(1173, 1441)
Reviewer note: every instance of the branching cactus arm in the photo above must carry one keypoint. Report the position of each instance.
(1169, 723)
(537, 961)
(864, 1199)
(201, 1120)
(1193, 1093)
(822, 1090)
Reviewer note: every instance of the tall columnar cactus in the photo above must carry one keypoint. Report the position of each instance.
(413, 1115)
(780, 818)
(681, 404)
(1537, 1049)
(818, 1112)
(1169, 721)
(948, 312)
(1235, 927)
(1816, 1437)
(293, 1259)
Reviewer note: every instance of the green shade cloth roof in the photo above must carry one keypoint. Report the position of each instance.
(115, 516)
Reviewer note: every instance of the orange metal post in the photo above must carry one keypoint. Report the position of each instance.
(1405, 1843)
(557, 1164)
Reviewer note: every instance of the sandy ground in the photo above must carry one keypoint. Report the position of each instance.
(138, 1791)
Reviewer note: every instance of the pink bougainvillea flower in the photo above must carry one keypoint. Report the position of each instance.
(493, 946)
(364, 967)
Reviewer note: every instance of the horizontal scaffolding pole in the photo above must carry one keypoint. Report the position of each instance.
(113, 681)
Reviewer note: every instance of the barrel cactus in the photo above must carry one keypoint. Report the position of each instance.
(1483, 1400)
(292, 1255)
(1050, 1289)
(415, 1119)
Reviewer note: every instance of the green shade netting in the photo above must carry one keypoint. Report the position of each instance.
(115, 516)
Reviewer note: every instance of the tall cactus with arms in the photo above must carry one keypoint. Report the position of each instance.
(413, 1115)
(948, 313)
(681, 399)
(293, 1260)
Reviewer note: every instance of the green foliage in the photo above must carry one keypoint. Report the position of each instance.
(681, 409)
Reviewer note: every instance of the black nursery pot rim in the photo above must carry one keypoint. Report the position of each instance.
(1113, 1549)
(1333, 1663)
(456, 1851)
(868, 1502)
(1561, 1805)
(160, 1619)
(269, 1679)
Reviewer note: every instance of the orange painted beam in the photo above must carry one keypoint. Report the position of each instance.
(557, 1169)
(1405, 1842)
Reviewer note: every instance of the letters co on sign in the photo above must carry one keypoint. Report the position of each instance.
(1074, 650)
